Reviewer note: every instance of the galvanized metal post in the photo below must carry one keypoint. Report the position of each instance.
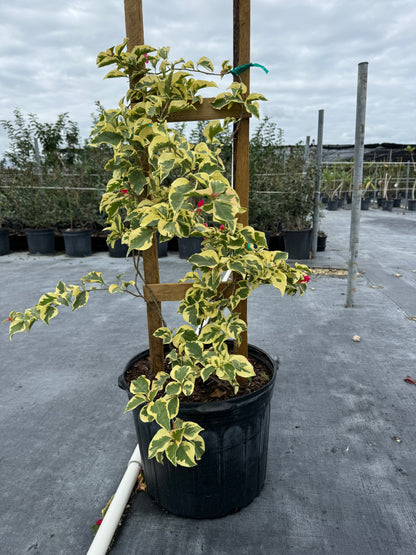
(307, 149)
(317, 194)
(357, 181)
(406, 204)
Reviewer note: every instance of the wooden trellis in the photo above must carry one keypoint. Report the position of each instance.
(156, 292)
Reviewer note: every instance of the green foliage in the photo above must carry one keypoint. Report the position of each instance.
(297, 190)
(281, 182)
(161, 182)
(47, 177)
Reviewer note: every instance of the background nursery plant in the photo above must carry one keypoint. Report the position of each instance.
(161, 183)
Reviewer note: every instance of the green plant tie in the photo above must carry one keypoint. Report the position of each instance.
(239, 69)
(249, 246)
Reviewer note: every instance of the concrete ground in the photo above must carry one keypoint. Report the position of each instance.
(341, 473)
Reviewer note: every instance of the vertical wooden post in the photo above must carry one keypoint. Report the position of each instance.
(134, 31)
(241, 143)
(133, 14)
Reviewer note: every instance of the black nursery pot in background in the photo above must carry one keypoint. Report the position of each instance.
(365, 203)
(120, 249)
(298, 244)
(77, 242)
(332, 204)
(188, 246)
(4, 242)
(275, 242)
(321, 243)
(232, 470)
(40, 241)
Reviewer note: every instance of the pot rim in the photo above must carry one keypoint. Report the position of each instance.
(215, 404)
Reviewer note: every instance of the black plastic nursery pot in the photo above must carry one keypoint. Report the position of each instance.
(332, 204)
(4, 242)
(120, 249)
(321, 243)
(77, 242)
(232, 470)
(411, 205)
(365, 203)
(298, 244)
(275, 242)
(40, 241)
(188, 246)
(388, 205)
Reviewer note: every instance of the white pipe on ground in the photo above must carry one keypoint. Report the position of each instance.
(112, 517)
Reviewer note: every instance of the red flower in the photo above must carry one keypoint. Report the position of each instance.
(200, 204)
(123, 191)
(99, 521)
(305, 279)
(222, 227)
(145, 57)
(205, 224)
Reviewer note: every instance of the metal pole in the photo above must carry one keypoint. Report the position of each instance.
(406, 204)
(357, 182)
(317, 194)
(307, 145)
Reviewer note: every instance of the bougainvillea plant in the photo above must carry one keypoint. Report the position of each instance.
(163, 183)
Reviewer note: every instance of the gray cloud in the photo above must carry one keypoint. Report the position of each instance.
(312, 49)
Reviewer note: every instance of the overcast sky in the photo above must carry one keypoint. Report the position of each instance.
(312, 49)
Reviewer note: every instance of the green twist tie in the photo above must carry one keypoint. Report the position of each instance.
(249, 246)
(239, 69)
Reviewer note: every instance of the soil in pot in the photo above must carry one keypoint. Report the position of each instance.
(232, 470)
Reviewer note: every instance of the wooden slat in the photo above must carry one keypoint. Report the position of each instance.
(175, 291)
(241, 143)
(154, 309)
(161, 292)
(205, 112)
(133, 13)
(166, 291)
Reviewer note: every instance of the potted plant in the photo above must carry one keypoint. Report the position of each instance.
(387, 201)
(322, 237)
(365, 199)
(80, 207)
(411, 203)
(37, 209)
(201, 364)
(330, 188)
(4, 232)
(267, 165)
